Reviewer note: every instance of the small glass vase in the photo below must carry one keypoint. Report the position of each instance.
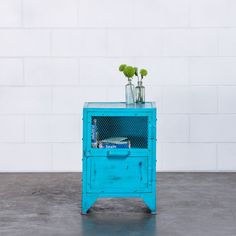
(129, 93)
(140, 92)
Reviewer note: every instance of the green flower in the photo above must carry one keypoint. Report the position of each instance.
(129, 71)
(136, 71)
(122, 67)
(143, 73)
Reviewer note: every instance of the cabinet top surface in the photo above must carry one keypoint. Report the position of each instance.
(119, 105)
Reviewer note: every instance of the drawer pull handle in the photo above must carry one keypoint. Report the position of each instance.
(118, 154)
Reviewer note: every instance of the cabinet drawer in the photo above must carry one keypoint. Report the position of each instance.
(116, 174)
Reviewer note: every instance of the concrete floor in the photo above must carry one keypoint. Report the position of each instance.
(192, 204)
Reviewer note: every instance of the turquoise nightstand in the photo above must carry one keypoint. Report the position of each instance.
(123, 168)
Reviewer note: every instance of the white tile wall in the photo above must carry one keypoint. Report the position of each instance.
(11, 129)
(212, 13)
(11, 72)
(135, 42)
(212, 71)
(190, 99)
(154, 93)
(213, 128)
(226, 156)
(191, 156)
(22, 42)
(190, 42)
(50, 13)
(227, 99)
(82, 42)
(218, 10)
(171, 70)
(67, 157)
(71, 100)
(99, 71)
(25, 157)
(105, 13)
(173, 128)
(231, 17)
(54, 128)
(227, 40)
(51, 71)
(57, 54)
(115, 94)
(161, 13)
(10, 13)
(25, 100)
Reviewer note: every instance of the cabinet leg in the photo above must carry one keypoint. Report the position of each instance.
(150, 201)
(87, 202)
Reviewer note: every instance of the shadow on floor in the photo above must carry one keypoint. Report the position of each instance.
(119, 217)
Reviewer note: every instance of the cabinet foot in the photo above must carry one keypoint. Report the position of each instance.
(150, 201)
(87, 202)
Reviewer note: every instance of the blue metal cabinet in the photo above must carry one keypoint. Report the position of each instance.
(119, 172)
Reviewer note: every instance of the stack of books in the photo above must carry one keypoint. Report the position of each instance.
(114, 142)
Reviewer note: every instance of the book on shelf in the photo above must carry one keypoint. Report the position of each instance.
(115, 142)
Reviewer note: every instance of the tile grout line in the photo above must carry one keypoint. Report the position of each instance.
(24, 129)
(78, 70)
(218, 100)
(189, 128)
(22, 14)
(52, 100)
(130, 56)
(23, 74)
(125, 28)
(109, 85)
(50, 43)
(218, 43)
(77, 13)
(189, 14)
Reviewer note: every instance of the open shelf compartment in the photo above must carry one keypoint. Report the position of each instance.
(133, 128)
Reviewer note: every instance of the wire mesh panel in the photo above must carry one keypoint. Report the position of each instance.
(119, 132)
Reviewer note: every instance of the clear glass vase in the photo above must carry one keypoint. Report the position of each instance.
(140, 92)
(129, 93)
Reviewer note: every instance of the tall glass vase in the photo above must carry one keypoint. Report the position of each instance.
(140, 92)
(129, 93)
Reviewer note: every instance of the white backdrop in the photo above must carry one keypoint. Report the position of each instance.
(57, 54)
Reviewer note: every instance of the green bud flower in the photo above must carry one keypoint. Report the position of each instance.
(143, 72)
(129, 71)
(122, 67)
